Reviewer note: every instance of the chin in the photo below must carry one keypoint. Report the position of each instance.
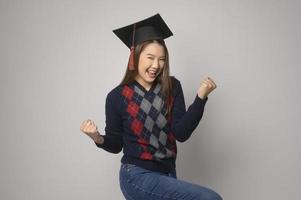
(148, 80)
(151, 80)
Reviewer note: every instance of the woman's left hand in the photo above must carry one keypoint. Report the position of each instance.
(206, 87)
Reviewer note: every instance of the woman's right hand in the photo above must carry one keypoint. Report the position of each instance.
(89, 128)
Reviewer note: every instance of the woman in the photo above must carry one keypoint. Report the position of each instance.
(146, 115)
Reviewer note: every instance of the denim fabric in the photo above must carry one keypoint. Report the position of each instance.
(137, 183)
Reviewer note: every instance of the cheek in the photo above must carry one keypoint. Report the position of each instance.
(141, 67)
(143, 63)
(162, 63)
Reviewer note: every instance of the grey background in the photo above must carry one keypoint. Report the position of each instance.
(59, 59)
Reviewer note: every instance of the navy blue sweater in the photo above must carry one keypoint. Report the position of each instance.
(137, 122)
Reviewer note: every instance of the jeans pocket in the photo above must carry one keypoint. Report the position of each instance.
(127, 172)
(128, 167)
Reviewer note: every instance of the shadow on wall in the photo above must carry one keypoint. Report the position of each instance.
(202, 161)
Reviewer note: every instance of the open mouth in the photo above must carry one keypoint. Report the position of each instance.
(152, 74)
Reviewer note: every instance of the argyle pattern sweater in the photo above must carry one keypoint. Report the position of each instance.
(137, 122)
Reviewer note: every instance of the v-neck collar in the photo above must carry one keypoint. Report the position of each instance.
(143, 88)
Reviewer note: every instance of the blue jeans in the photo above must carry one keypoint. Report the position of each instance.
(137, 183)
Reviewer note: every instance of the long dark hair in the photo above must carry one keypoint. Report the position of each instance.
(163, 78)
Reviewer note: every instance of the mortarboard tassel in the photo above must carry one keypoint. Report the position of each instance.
(131, 63)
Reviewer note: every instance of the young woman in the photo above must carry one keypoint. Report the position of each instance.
(146, 115)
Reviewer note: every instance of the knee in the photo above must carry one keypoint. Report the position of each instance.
(207, 194)
(212, 196)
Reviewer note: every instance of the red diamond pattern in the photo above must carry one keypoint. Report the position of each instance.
(137, 127)
(132, 109)
(127, 92)
(146, 156)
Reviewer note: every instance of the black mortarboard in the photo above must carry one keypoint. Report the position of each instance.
(150, 28)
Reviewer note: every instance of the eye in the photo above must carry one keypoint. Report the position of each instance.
(150, 58)
(162, 60)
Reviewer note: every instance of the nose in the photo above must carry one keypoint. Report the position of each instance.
(156, 64)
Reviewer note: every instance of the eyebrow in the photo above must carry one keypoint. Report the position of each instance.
(154, 55)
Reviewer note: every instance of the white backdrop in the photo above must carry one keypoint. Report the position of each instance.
(59, 59)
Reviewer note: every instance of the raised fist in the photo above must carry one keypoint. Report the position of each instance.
(88, 127)
(206, 87)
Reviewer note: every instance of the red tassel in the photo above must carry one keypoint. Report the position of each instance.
(131, 63)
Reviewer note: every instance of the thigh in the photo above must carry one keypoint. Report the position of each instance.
(137, 183)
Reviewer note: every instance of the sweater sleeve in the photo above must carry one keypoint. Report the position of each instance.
(113, 141)
(184, 122)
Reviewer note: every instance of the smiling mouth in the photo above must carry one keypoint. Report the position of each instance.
(152, 74)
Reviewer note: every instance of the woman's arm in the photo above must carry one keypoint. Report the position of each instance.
(184, 122)
(112, 141)
(98, 139)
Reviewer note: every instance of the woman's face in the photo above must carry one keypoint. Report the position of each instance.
(151, 63)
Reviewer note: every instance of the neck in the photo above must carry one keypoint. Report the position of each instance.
(147, 86)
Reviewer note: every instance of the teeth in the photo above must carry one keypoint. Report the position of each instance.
(151, 73)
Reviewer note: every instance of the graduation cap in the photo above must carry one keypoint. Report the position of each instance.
(150, 28)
